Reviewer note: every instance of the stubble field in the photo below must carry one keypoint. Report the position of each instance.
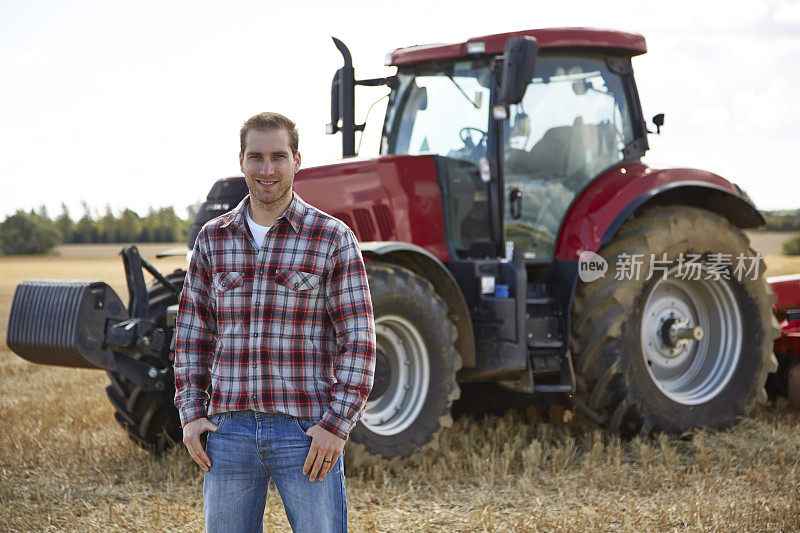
(65, 464)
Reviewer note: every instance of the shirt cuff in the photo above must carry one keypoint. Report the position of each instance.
(339, 426)
(190, 413)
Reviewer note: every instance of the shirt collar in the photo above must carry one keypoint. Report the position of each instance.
(294, 214)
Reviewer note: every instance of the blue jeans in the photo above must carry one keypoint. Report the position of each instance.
(247, 450)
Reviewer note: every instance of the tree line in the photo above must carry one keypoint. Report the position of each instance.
(788, 220)
(35, 232)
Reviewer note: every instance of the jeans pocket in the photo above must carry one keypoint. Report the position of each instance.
(218, 420)
(302, 425)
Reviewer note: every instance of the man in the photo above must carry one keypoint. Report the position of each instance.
(276, 320)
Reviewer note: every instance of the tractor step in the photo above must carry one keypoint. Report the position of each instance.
(553, 388)
(544, 332)
(545, 345)
(540, 300)
(552, 373)
(549, 361)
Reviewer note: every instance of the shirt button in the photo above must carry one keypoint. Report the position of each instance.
(255, 335)
(261, 270)
(255, 397)
(296, 285)
(254, 365)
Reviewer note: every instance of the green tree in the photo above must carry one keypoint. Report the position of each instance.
(163, 225)
(64, 224)
(28, 233)
(792, 246)
(129, 227)
(85, 229)
(106, 226)
(788, 220)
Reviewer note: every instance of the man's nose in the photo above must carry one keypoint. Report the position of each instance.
(267, 168)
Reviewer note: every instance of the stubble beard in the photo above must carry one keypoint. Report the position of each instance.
(273, 202)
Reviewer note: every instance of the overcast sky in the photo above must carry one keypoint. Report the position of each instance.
(138, 104)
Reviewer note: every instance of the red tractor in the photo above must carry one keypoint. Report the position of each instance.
(514, 242)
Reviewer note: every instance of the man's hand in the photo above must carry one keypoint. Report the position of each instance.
(191, 438)
(323, 454)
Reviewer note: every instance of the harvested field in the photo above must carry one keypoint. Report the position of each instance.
(769, 242)
(65, 464)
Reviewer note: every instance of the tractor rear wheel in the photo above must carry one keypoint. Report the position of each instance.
(667, 353)
(415, 370)
(150, 417)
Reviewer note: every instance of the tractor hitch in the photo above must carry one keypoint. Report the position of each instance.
(136, 335)
(84, 324)
(137, 290)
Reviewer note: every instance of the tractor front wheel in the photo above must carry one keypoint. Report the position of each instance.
(415, 368)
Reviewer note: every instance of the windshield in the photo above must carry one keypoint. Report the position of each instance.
(572, 124)
(440, 109)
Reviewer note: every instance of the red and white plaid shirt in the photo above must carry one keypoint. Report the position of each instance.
(287, 329)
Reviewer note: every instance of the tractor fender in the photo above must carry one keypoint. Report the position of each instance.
(425, 264)
(603, 206)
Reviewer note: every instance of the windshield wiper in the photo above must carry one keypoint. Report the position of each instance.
(450, 77)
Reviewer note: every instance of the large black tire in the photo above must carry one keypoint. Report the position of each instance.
(150, 418)
(415, 377)
(631, 376)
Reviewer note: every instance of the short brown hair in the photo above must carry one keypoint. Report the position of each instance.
(270, 121)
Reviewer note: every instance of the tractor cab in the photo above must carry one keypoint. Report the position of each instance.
(519, 125)
(578, 117)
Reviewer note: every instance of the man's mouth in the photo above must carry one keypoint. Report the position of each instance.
(267, 183)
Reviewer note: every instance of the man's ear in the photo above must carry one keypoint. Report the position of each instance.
(297, 161)
(241, 162)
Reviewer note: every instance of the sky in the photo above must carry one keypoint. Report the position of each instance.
(138, 104)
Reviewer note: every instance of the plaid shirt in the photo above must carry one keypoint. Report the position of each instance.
(284, 329)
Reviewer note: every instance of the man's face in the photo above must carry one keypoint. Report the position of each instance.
(269, 167)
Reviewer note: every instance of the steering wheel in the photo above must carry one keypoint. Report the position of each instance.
(466, 137)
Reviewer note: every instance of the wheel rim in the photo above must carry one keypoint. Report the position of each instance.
(406, 356)
(686, 369)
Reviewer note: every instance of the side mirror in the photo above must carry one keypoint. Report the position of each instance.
(519, 62)
(658, 120)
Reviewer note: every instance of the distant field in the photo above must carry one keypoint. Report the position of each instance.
(65, 464)
(769, 242)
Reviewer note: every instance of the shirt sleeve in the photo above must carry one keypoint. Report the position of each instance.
(195, 338)
(349, 308)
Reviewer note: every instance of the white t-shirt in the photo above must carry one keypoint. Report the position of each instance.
(258, 231)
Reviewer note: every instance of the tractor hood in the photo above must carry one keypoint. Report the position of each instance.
(387, 198)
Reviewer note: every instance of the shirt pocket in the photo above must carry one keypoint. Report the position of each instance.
(299, 308)
(225, 281)
(230, 298)
(297, 280)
